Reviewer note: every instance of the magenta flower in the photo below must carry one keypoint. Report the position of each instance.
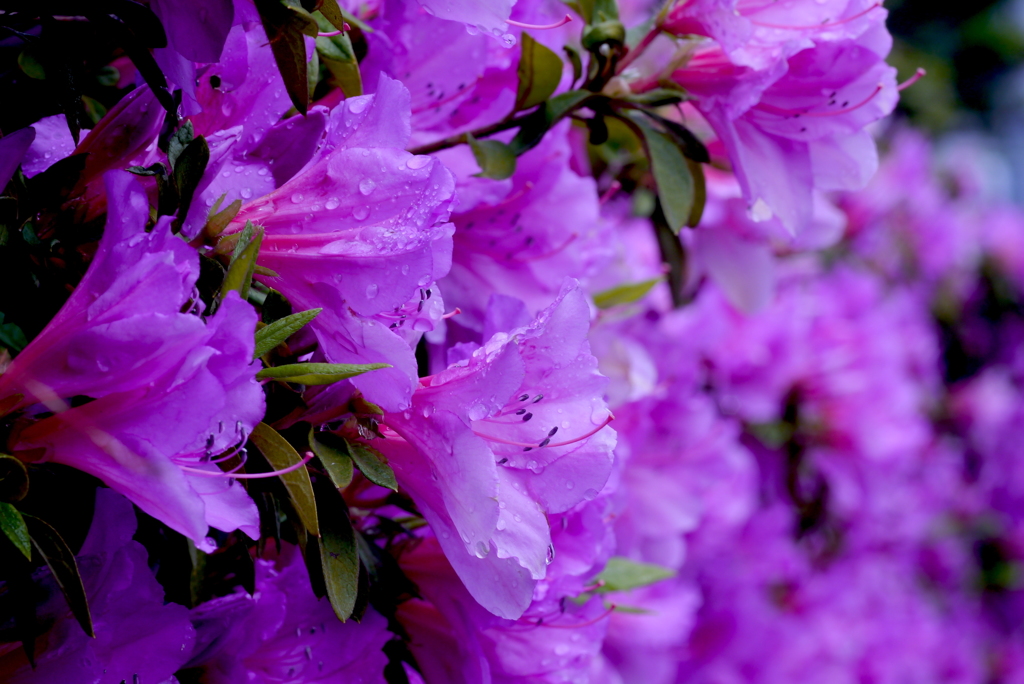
(283, 634)
(169, 389)
(496, 441)
(137, 634)
(361, 231)
(12, 150)
(790, 94)
(456, 640)
(522, 237)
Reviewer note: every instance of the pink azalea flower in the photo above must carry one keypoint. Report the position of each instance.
(523, 236)
(169, 389)
(498, 440)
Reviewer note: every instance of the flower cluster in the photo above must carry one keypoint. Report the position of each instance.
(474, 341)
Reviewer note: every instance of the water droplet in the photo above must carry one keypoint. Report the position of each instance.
(418, 161)
(296, 198)
(561, 649)
(356, 105)
(246, 193)
(501, 524)
(508, 40)
(569, 484)
(590, 494)
(405, 269)
(482, 549)
(262, 171)
(366, 186)
(360, 213)
(332, 204)
(532, 465)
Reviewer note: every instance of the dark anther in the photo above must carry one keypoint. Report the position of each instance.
(538, 398)
(547, 440)
(528, 449)
(527, 417)
(503, 461)
(524, 397)
(553, 431)
(520, 412)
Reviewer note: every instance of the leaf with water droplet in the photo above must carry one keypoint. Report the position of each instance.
(280, 330)
(539, 71)
(495, 159)
(372, 464)
(280, 455)
(624, 294)
(333, 453)
(622, 574)
(15, 529)
(58, 557)
(317, 373)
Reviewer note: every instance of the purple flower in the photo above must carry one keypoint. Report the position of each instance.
(499, 439)
(522, 237)
(12, 150)
(454, 639)
(792, 105)
(168, 389)
(283, 634)
(361, 231)
(137, 635)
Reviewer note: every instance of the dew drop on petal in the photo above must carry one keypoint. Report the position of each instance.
(371, 290)
(418, 161)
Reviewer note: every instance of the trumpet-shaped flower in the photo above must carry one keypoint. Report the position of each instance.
(167, 389)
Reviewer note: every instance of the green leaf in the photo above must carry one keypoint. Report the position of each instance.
(179, 141)
(657, 97)
(94, 109)
(156, 169)
(317, 373)
(62, 564)
(671, 175)
(338, 554)
(332, 13)
(243, 261)
(372, 464)
(495, 159)
(32, 67)
(577, 63)
(11, 336)
(217, 222)
(280, 455)
(13, 479)
(15, 529)
(333, 453)
(621, 574)
(692, 147)
(700, 192)
(280, 330)
(339, 56)
(624, 294)
(285, 26)
(189, 168)
(108, 76)
(554, 110)
(539, 72)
